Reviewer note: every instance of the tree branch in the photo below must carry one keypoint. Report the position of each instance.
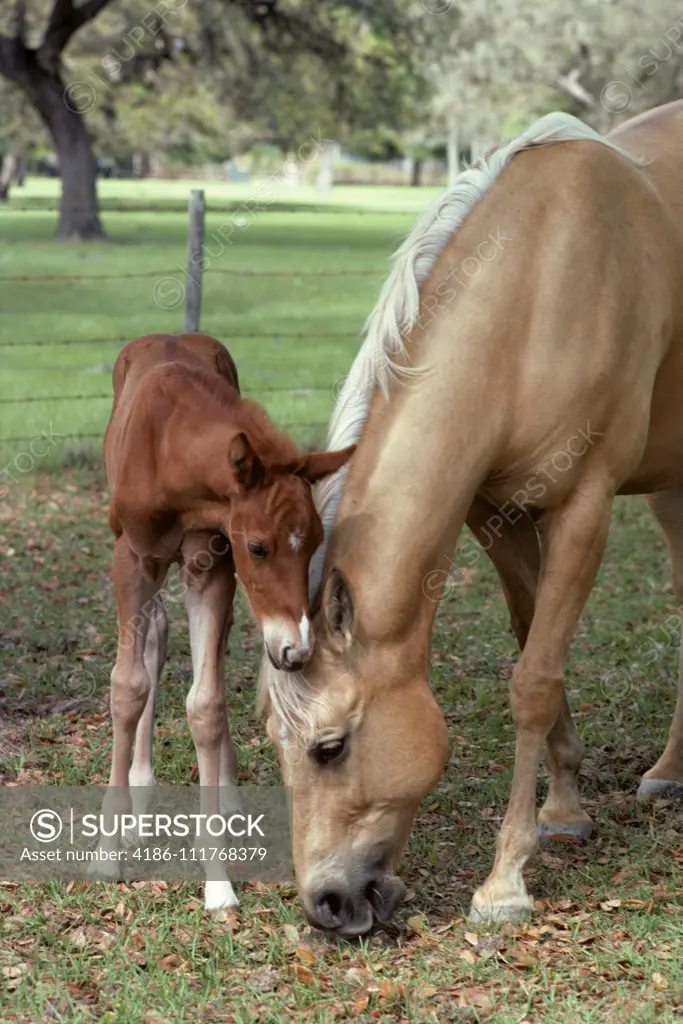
(64, 21)
(20, 20)
(572, 86)
(12, 54)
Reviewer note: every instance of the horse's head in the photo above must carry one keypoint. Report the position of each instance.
(361, 742)
(274, 531)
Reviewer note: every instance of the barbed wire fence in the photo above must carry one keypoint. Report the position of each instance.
(192, 292)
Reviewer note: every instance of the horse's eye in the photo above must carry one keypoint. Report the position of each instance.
(257, 549)
(329, 750)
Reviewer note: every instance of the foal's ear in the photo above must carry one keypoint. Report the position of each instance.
(318, 465)
(338, 609)
(245, 463)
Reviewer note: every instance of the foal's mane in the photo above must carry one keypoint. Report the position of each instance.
(397, 309)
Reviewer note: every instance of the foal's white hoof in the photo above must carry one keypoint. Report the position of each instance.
(660, 789)
(513, 909)
(219, 896)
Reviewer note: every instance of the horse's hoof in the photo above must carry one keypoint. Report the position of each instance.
(659, 789)
(513, 910)
(578, 831)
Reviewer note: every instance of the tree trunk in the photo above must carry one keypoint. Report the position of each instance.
(417, 172)
(79, 216)
(60, 110)
(22, 170)
(141, 165)
(325, 176)
(7, 174)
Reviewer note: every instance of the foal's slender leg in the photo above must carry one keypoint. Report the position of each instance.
(141, 775)
(665, 779)
(573, 541)
(136, 583)
(209, 576)
(516, 554)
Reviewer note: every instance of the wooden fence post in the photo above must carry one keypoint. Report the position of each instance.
(195, 254)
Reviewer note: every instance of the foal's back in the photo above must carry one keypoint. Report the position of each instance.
(139, 369)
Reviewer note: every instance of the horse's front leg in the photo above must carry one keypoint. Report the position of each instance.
(209, 578)
(516, 555)
(573, 540)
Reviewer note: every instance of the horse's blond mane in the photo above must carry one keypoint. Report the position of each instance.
(397, 309)
(386, 330)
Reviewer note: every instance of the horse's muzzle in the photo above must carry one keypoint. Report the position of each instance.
(338, 908)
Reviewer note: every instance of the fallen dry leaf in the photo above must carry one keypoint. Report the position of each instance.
(227, 917)
(14, 970)
(305, 953)
(171, 961)
(303, 974)
(90, 936)
(264, 980)
(355, 976)
(416, 924)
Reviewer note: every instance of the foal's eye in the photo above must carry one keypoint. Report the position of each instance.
(329, 750)
(257, 549)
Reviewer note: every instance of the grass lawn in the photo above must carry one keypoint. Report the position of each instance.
(59, 337)
(604, 944)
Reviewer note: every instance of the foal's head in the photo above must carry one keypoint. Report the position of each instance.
(275, 530)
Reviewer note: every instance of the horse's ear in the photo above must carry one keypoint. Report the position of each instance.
(338, 609)
(245, 463)
(317, 465)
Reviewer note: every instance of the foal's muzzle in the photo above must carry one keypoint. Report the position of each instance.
(290, 658)
(351, 911)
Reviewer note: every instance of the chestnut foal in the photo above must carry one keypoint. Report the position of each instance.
(201, 477)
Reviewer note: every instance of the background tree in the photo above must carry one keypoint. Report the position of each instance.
(20, 132)
(199, 75)
(495, 65)
(31, 58)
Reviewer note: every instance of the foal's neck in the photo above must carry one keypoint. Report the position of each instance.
(194, 454)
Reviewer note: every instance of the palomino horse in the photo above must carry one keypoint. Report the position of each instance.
(533, 322)
(201, 477)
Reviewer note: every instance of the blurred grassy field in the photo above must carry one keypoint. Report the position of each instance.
(604, 946)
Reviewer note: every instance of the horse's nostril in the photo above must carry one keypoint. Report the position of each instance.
(333, 909)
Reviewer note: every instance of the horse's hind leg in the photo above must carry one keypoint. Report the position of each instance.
(209, 576)
(665, 779)
(516, 554)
